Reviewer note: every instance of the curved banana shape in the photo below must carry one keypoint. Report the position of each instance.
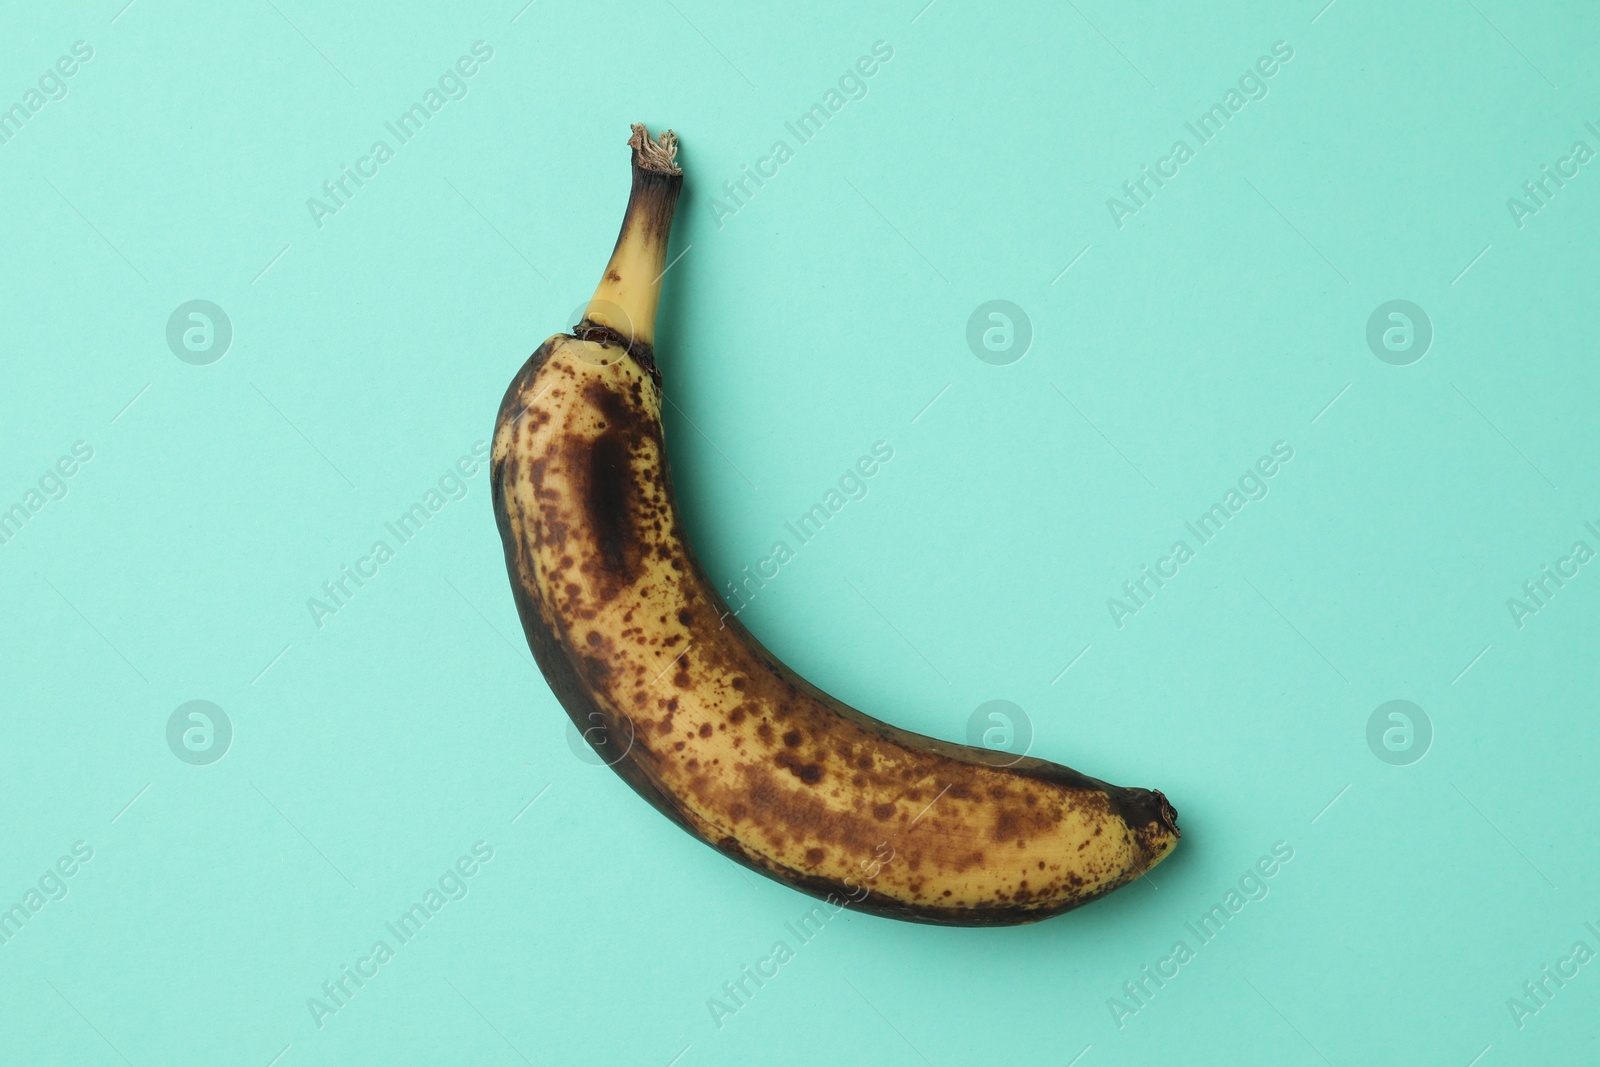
(705, 723)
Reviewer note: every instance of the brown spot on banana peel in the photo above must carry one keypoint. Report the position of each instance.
(749, 757)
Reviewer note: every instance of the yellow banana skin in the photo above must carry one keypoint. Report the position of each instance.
(704, 722)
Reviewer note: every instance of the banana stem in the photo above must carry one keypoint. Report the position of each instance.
(625, 301)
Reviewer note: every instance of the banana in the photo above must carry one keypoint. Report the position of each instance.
(683, 702)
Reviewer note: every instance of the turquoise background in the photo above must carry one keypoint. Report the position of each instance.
(828, 313)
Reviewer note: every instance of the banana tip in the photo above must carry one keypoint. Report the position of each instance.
(1168, 814)
(658, 154)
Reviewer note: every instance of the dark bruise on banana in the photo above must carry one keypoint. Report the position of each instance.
(702, 720)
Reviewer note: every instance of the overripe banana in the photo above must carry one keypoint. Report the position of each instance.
(702, 720)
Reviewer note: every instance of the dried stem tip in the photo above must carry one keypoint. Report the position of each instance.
(629, 292)
(659, 154)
